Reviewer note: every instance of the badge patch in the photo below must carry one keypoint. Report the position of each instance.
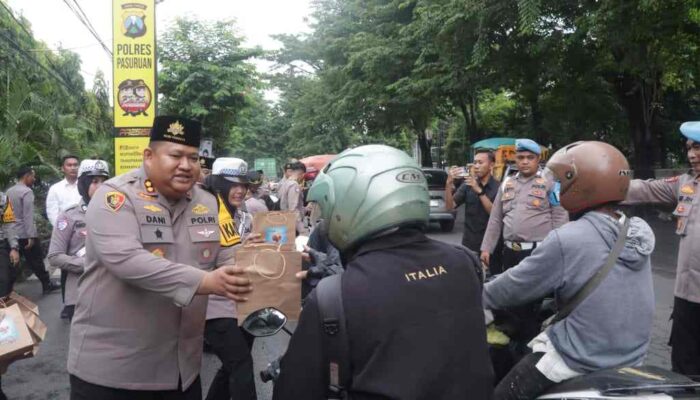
(680, 209)
(206, 253)
(159, 234)
(206, 232)
(200, 209)
(114, 200)
(536, 202)
(146, 196)
(158, 253)
(153, 208)
(687, 189)
(62, 225)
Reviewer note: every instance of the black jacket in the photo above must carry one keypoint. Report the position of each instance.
(415, 325)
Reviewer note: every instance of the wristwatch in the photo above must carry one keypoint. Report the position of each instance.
(481, 193)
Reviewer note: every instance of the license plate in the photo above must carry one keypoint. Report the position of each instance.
(434, 203)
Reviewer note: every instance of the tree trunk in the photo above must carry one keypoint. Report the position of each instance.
(468, 106)
(536, 120)
(637, 98)
(424, 144)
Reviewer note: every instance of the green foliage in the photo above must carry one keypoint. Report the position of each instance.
(45, 112)
(204, 75)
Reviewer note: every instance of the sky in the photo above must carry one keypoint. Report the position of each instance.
(55, 24)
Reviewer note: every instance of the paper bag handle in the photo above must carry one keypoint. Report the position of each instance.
(271, 277)
(272, 215)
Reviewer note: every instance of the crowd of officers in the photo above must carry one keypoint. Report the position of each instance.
(148, 264)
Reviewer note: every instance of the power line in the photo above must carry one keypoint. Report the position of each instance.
(82, 17)
(56, 73)
(29, 57)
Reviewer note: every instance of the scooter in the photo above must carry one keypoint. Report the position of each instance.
(629, 383)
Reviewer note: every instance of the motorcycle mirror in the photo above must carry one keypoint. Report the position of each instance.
(300, 242)
(264, 322)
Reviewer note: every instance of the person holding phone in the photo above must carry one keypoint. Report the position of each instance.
(476, 188)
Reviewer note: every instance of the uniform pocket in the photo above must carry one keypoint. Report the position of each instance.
(205, 239)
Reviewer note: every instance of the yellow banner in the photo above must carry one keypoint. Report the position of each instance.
(128, 153)
(134, 63)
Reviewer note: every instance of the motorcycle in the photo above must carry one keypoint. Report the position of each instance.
(628, 383)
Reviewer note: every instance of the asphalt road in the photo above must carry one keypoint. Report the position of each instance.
(45, 377)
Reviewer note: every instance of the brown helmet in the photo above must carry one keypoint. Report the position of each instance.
(590, 174)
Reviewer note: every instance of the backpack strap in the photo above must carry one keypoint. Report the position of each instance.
(335, 337)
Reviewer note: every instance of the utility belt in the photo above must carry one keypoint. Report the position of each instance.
(520, 246)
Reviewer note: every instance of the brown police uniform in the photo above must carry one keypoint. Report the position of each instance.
(292, 199)
(138, 324)
(523, 212)
(67, 241)
(681, 192)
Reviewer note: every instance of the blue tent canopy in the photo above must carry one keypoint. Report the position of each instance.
(493, 143)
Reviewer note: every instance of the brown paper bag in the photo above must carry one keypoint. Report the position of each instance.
(276, 227)
(15, 338)
(30, 311)
(23, 302)
(272, 271)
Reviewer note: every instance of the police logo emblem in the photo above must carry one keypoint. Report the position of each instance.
(134, 20)
(206, 253)
(134, 97)
(114, 200)
(158, 253)
(100, 166)
(62, 225)
(176, 129)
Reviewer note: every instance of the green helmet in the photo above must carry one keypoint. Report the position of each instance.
(368, 190)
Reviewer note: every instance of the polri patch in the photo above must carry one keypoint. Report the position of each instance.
(200, 209)
(114, 200)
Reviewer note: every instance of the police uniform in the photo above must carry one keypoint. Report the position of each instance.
(522, 211)
(138, 325)
(292, 199)
(682, 192)
(67, 250)
(22, 199)
(413, 309)
(8, 242)
(230, 343)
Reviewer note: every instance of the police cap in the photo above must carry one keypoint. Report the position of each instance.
(527, 145)
(231, 169)
(178, 130)
(691, 130)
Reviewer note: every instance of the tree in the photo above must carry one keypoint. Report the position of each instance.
(204, 75)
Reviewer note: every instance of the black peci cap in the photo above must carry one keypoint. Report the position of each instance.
(255, 177)
(176, 130)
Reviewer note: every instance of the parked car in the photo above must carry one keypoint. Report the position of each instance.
(436, 186)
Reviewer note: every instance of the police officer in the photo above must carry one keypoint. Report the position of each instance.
(21, 196)
(524, 212)
(611, 326)
(412, 304)
(139, 320)
(67, 248)
(255, 201)
(292, 196)
(522, 209)
(9, 246)
(682, 192)
(229, 183)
